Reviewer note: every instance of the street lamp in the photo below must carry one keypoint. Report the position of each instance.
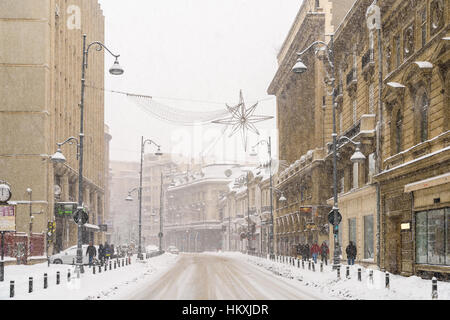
(300, 68)
(269, 151)
(58, 157)
(157, 153)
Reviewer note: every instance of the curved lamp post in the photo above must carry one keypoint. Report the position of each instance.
(58, 157)
(300, 68)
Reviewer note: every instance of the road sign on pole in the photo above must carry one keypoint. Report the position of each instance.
(331, 217)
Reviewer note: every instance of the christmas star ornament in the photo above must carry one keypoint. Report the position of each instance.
(242, 119)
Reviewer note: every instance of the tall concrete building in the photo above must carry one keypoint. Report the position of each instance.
(40, 60)
(123, 214)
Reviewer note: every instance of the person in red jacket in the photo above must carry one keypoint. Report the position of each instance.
(324, 251)
(315, 250)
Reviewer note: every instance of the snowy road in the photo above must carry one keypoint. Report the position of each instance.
(213, 277)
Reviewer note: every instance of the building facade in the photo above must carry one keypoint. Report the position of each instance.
(41, 59)
(305, 126)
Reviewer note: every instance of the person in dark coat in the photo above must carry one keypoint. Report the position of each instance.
(351, 253)
(91, 252)
(107, 251)
(324, 251)
(306, 251)
(101, 253)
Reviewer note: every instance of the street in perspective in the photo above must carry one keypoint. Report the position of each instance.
(199, 150)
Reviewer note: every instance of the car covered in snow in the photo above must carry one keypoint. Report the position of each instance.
(173, 250)
(151, 249)
(69, 256)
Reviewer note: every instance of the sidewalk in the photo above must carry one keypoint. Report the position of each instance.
(89, 286)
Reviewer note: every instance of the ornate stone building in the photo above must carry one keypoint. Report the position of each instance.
(415, 197)
(41, 59)
(193, 217)
(304, 125)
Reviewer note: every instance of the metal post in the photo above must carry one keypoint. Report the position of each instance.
(248, 215)
(309, 264)
(31, 224)
(11, 289)
(161, 214)
(321, 267)
(110, 265)
(99, 269)
(68, 275)
(115, 263)
(313, 267)
(58, 277)
(338, 270)
(80, 161)
(45, 281)
(271, 234)
(30, 284)
(347, 272)
(93, 269)
(359, 274)
(371, 276)
(387, 281)
(140, 200)
(434, 292)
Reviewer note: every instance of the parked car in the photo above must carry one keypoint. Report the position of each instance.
(173, 249)
(69, 256)
(151, 249)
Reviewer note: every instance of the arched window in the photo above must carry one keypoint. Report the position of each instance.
(398, 131)
(424, 118)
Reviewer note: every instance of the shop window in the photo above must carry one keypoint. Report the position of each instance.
(368, 237)
(352, 230)
(433, 237)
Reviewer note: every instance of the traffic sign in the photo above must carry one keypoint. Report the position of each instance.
(331, 217)
(83, 214)
(160, 234)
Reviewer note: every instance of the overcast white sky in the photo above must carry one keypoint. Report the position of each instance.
(191, 49)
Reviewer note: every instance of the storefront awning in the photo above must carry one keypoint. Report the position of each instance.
(428, 183)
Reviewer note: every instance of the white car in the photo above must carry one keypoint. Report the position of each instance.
(151, 249)
(69, 256)
(173, 249)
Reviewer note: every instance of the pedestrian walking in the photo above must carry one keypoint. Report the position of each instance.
(101, 254)
(107, 251)
(306, 251)
(351, 253)
(91, 252)
(324, 251)
(315, 250)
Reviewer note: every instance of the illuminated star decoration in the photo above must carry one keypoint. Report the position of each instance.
(242, 119)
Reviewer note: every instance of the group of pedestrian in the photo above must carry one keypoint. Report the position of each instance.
(307, 252)
(105, 252)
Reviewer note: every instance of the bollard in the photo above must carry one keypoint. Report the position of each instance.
(126, 261)
(129, 260)
(115, 265)
(338, 269)
(314, 267)
(45, 281)
(387, 280)
(110, 265)
(321, 267)
(303, 264)
(298, 263)
(68, 275)
(2, 271)
(11, 289)
(359, 274)
(99, 269)
(123, 262)
(309, 264)
(106, 266)
(371, 276)
(93, 269)
(434, 292)
(58, 277)
(347, 272)
(30, 284)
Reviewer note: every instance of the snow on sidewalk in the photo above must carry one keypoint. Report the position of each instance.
(112, 284)
(401, 288)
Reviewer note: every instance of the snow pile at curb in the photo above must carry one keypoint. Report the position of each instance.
(111, 284)
(401, 288)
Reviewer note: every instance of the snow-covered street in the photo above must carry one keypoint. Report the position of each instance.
(218, 277)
